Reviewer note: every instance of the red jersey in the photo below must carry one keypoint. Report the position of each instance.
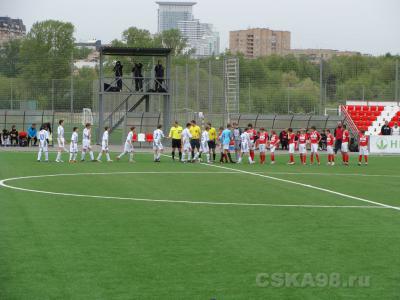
(263, 138)
(274, 140)
(339, 133)
(363, 142)
(303, 138)
(315, 137)
(330, 139)
(346, 136)
(252, 133)
(291, 138)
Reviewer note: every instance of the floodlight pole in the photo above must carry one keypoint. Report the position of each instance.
(167, 97)
(101, 104)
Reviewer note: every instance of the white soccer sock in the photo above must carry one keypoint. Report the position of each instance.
(108, 156)
(58, 155)
(46, 155)
(183, 156)
(75, 155)
(208, 157)
(100, 155)
(131, 156)
(83, 155)
(240, 159)
(250, 160)
(91, 155)
(155, 155)
(70, 156)
(158, 155)
(39, 154)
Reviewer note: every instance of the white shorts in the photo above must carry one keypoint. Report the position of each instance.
(291, 148)
(128, 148)
(345, 147)
(262, 148)
(61, 142)
(157, 145)
(329, 150)
(86, 145)
(43, 147)
(104, 146)
(73, 148)
(187, 147)
(225, 147)
(204, 147)
(303, 148)
(272, 149)
(364, 150)
(244, 148)
(252, 145)
(314, 148)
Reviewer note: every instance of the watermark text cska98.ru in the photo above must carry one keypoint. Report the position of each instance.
(309, 280)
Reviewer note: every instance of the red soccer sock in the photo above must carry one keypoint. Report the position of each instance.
(366, 158)
(301, 158)
(291, 158)
(312, 158)
(317, 157)
(272, 156)
(347, 157)
(332, 158)
(359, 158)
(252, 154)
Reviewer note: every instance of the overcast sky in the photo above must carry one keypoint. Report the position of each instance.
(368, 26)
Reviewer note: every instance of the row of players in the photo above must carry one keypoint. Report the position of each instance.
(192, 138)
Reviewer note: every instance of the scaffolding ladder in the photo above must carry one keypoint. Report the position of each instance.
(231, 86)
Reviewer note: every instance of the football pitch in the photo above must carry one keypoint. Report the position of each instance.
(196, 231)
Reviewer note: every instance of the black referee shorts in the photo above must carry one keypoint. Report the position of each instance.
(195, 143)
(212, 145)
(176, 143)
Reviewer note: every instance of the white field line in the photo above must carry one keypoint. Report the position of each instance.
(330, 174)
(3, 184)
(305, 185)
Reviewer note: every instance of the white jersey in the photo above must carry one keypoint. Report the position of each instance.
(86, 135)
(43, 137)
(245, 142)
(60, 132)
(129, 138)
(158, 135)
(205, 137)
(186, 135)
(73, 148)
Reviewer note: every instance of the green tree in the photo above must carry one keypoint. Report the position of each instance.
(172, 39)
(46, 52)
(9, 57)
(138, 38)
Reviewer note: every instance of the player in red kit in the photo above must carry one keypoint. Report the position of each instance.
(273, 145)
(363, 145)
(303, 138)
(253, 137)
(330, 141)
(291, 141)
(262, 144)
(315, 138)
(345, 146)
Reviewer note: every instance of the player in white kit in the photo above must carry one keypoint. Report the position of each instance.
(43, 144)
(186, 147)
(86, 142)
(73, 148)
(245, 146)
(128, 147)
(60, 140)
(158, 135)
(205, 137)
(104, 146)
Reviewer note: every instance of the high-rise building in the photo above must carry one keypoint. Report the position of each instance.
(257, 42)
(200, 37)
(10, 29)
(170, 13)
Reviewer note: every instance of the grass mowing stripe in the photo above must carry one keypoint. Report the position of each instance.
(307, 186)
(3, 184)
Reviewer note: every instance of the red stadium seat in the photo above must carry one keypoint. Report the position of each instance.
(350, 108)
(398, 113)
(377, 113)
(391, 124)
(149, 137)
(381, 108)
(358, 108)
(365, 108)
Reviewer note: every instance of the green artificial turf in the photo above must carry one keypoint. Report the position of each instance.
(66, 247)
